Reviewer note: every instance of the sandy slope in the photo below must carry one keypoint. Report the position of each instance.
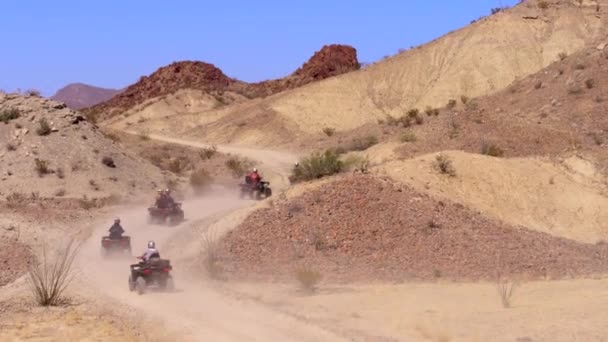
(566, 199)
(550, 311)
(479, 59)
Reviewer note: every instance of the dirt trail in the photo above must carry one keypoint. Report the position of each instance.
(274, 165)
(195, 310)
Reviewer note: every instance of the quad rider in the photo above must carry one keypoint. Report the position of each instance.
(116, 230)
(161, 199)
(151, 252)
(169, 199)
(253, 178)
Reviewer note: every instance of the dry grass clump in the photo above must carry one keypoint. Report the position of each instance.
(49, 278)
(208, 152)
(444, 164)
(43, 127)
(210, 248)
(308, 278)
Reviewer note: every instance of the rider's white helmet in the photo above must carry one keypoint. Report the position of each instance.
(254, 170)
(151, 244)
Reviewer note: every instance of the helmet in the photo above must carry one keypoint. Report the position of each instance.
(254, 170)
(151, 244)
(159, 191)
(297, 164)
(167, 191)
(117, 220)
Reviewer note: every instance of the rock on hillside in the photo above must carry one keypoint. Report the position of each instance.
(51, 150)
(330, 61)
(78, 95)
(362, 227)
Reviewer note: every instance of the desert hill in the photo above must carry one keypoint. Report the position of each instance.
(482, 58)
(365, 227)
(49, 150)
(330, 61)
(79, 95)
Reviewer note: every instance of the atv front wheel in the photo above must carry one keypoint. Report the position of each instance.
(140, 285)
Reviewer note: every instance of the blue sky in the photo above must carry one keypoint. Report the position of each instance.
(111, 43)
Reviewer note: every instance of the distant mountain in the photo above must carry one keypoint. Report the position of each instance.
(79, 95)
(329, 61)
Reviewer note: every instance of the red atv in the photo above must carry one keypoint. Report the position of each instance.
(261, 189)
(174, 214)
(110, 246)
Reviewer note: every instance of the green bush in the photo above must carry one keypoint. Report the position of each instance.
(317, 165)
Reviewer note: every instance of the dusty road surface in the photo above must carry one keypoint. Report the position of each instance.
(194, 310)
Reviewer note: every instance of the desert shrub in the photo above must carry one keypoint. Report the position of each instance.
(579, 66)
(200, 180)
(356, 163)
(589, 83)
(94, 185)
(43, 127)
(329, 131)
(42, 167)
(451, 103)
(144, 136)
(210, 248)
(108, 161)
(49, 278)
(492, 150)
(542, 4)
(237, 166)
(464, 99)
(538, 85)
(308, 278)
(60, 193)
(505, 289)
(362, 144)
(33, 92)
(87, 203)
(444, 164)
(562, 55)
(453, 129)
(7, 115)
(496, 10)
(15, 200)
(413, 113)
(11, 146)
(431, 111)
(317, 165)
(208, 152)
(178, 165)
(408, 137)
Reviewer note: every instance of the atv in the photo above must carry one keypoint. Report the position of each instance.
(261, 190)
(173, 213)
(156, 273)
(112, 246)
